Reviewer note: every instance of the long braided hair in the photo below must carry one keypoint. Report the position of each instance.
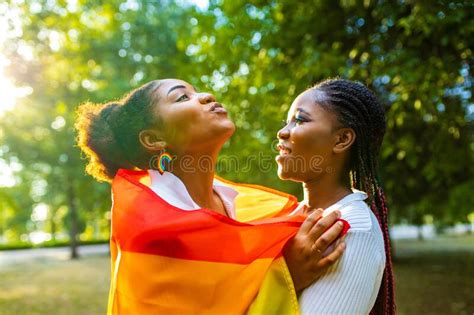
(357, 107)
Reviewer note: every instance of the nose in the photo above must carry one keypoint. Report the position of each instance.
(283, 133)
(205, 98)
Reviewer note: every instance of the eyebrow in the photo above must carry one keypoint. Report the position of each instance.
(302, 110)
(178, 87)
(174, 88)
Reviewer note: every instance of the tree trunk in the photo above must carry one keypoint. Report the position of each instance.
(2, 226)
(52, 226)
(73, 222)
(418, 222)
(420, 232)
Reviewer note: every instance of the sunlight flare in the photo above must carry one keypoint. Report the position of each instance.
(9, 93)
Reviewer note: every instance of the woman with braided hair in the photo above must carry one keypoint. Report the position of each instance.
(330, 143)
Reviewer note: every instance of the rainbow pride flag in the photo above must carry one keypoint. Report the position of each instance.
(169, 261)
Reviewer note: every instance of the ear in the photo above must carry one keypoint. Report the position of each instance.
(152, 140)
(345, 137)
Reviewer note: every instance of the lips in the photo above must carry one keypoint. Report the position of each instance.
(284, 153)
(284, 150)
(217, 108)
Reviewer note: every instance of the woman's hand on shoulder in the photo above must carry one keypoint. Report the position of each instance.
(304, 252)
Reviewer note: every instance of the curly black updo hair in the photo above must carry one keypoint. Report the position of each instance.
(108, 133)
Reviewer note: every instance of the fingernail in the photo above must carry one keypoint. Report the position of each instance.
(340, 224)
(338, 213)
(343, 245)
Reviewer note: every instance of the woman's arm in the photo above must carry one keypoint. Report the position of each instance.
(351, 285)
(304, 253)
(304, 263)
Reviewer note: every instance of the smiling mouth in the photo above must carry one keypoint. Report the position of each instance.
(217, 108)
(283, 149)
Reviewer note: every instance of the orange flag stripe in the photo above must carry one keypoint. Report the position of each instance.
(216, 288)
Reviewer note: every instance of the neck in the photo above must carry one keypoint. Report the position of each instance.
(196, 171)
(325, 191)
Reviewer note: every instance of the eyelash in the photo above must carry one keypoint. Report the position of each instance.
(181, 98)
(298, 120)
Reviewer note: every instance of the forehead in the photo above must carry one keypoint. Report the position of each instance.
(307, 102)
(304, 101)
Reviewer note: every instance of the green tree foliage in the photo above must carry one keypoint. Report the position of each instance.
(256, 57)
(417, 56)
(92, 51)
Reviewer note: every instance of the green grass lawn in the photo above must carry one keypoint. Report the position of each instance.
(433, 277)
(54, 287)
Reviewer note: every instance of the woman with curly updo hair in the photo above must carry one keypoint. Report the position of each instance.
(159, 146)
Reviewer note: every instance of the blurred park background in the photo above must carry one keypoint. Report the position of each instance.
(255, 57)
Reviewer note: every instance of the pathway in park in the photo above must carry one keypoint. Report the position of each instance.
(399, 233)
(11, 257)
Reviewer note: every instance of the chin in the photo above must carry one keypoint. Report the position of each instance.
(220, 133)
(282, 172)
(286, 175)
(231, 126)
(227, 129)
